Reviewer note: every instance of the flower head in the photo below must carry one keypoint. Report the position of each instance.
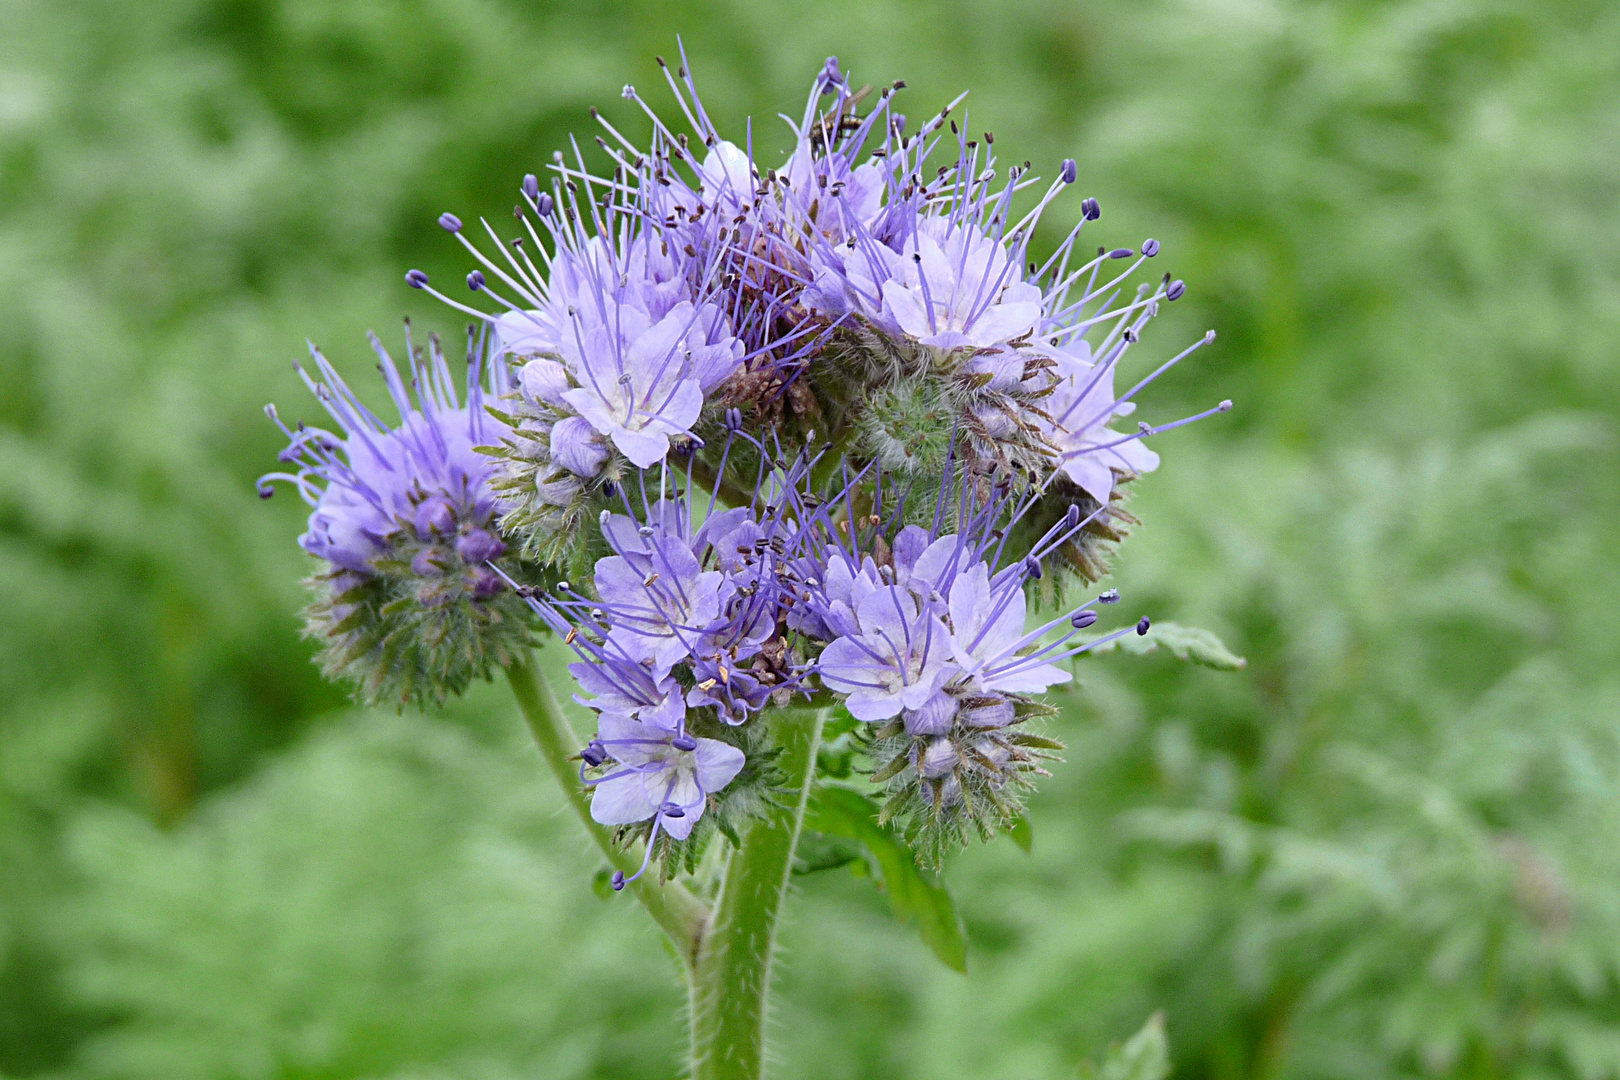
(404, 518)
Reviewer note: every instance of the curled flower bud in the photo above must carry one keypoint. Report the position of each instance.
(831, 77)
(449, 223)
(478, 546)
(403, 520)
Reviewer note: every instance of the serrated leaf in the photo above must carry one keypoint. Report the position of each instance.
(1145, 1056)
(914, 896)
(1190, 643)
(1021, 833)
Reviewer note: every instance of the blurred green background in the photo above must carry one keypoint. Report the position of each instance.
(1389, 848)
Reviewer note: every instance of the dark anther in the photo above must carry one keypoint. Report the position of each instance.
(1150, 248)
(449, 223)
(1090, 210)
(618, 881)
(1177, 287)
(544, 204)
(1082, 619)
(475, 280)
(1121, 253)
(593, 754)
(684, 742)
(416, 279)
(1067, 173)
(531, 186)
(669, 809)
(1142, 627)
(1109, 597)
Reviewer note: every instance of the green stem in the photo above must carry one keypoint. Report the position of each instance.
(731, 980)
(681, 915)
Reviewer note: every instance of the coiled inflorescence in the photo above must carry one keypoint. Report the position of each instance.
(408, 604)
(808, 431)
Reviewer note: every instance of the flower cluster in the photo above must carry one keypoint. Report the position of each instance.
(681, 642)
(409, 604)
(926, 637)
(817, 430)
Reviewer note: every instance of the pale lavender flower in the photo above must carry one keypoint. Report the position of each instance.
(658, 598)
(368, 482)
(659, 774)
(898, 658)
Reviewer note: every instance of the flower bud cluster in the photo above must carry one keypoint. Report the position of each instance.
(926, 638)
(408, 605)
(681, 643)
(874, 288)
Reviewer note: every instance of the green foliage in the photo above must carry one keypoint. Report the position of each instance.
(914, 895)
(1184, 643)
(1144, 1056)
(1386, 848)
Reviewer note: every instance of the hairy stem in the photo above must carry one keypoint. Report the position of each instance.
(731, 980)
(681, 915)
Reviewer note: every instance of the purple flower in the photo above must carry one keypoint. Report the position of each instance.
(658, 598)
(370, 484)
(953, 286)
(641, 382)
(652, 778)
(1081, 404)
(898, 658)
(987, 634)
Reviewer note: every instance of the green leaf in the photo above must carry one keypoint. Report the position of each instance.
(1145, 1056)
(1021, 833)
(1184, 642)
(819, 851)
(914, 896)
